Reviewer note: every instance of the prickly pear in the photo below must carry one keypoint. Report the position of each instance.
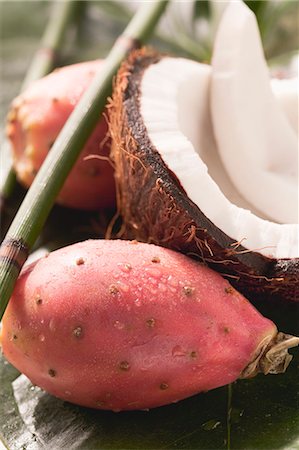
(123, 325)
(36, 118)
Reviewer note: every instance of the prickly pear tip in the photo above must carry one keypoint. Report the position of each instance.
(272, 355)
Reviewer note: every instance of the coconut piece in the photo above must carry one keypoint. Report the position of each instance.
(254, 138)
(286, 91)
(166, 193)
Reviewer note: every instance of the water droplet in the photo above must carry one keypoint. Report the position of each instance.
(41, 337)
(119, 325)
(178, 351)
(137, 302)
(125, 267)
(172, 281)
(68, 393)
(124, 287)
(162, 287)
(153, 281)
(153, 290)
(32, 388)
(52, 325)
(154, 272)
(211, 425)
(42, 321)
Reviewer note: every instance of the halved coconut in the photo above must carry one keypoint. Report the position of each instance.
(172, 187)
(254, 138)
(286, 91)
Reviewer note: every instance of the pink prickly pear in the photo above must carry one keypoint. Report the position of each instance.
(36, 118)
(122, 325)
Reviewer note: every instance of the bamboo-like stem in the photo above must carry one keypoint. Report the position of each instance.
(44, 60)
(39, 200)
(7, 175)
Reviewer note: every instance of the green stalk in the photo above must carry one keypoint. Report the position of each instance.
(44, 60)
(7, 176)
(40, 198)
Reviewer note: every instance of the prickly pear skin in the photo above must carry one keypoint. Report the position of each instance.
(122, 325)
(36, 118)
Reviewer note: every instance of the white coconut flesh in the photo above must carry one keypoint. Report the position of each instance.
(175, 108)
(286, 92)
(256, 143)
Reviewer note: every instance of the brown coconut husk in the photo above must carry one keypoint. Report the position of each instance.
(156, 209)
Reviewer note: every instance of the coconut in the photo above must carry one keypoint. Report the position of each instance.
(254, 137)
(206, 158)
(286, 93)
(172, 188)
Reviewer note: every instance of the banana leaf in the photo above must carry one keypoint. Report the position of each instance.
(260, 413)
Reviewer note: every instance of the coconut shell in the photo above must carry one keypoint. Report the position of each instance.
(156, 209)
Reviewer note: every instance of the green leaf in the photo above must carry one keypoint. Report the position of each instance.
(202, 8)
(257, 6)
